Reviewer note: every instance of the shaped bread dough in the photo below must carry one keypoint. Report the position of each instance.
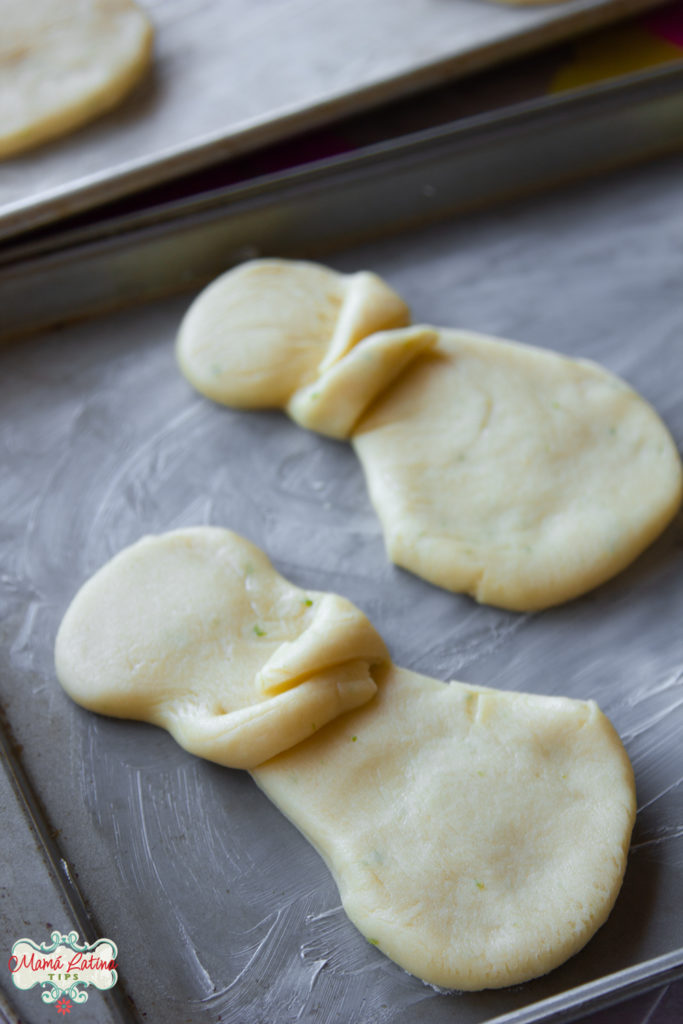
(510, 473)
(477, 837)
(62, 64)
(196, 632)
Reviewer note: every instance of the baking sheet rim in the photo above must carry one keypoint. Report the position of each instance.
(90, 191)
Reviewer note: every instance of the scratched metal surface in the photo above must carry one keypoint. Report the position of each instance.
(229, 75)
(220, 909)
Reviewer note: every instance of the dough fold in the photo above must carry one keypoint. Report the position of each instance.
(478, 837)
(267, 328)
(334, 403)
(196, 632)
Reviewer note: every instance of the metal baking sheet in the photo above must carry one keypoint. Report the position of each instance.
(230, 75)
(470, 163)
(220, 909)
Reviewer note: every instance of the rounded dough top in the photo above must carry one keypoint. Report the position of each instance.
(515, 474)
(63, 63)
(195, 631)
(267, 328)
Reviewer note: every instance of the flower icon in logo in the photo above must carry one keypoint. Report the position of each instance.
(63, 1005)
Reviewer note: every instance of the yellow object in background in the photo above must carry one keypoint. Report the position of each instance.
(621, 50)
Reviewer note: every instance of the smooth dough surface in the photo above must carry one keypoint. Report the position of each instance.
(477, 837)
(64, 63)
(508, 472)
(515, 474)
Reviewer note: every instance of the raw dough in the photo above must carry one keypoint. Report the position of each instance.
(64, 63)
(510, 473)
(196, 632)
(515, 474)
(477, 837)
(269, 327)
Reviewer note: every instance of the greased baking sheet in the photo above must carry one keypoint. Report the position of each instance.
(220, 909)
(230, 75)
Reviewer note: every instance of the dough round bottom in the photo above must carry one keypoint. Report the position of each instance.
(515, 474)
(478, 838)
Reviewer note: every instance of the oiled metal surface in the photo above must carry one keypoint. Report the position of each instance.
(229, 75)
(220, 909)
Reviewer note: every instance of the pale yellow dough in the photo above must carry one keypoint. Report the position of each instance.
(196, 632)
(64, 62)
(507, 472)
(477, 837)
(515, 474)
(270, 327)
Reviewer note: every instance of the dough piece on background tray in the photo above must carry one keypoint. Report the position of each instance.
(64, 63)
(508, 472)
(477, 837)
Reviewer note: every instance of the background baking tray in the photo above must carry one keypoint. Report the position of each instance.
(230, 75)
(142, 252)
(221, 911)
